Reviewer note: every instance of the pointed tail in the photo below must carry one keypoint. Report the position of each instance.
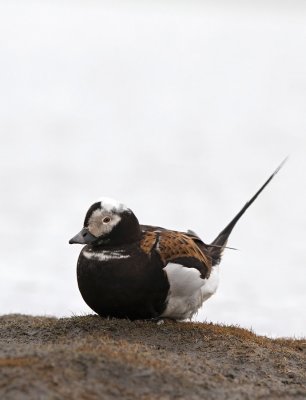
(217, 246)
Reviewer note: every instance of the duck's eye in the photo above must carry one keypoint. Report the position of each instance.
(106, 220)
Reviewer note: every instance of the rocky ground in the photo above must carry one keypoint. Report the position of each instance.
(89, 358)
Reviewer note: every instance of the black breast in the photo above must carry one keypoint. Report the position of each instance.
(129, 285)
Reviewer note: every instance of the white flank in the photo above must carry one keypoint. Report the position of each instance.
(187, 290)
(105, 255)
(211, 284)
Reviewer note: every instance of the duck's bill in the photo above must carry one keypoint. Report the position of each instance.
(83, 237)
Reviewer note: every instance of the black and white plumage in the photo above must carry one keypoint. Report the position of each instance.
(128, 270)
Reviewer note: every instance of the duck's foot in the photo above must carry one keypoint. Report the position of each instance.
(160, 320)
(168, 320)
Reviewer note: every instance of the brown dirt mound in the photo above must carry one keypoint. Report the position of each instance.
(91, 358)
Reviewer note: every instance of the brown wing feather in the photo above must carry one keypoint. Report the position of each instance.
(148, 241)
(176, 245)
(172, 245)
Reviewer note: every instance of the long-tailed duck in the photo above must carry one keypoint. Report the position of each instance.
(128, 270)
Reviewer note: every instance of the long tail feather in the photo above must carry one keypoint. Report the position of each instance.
(219, 243)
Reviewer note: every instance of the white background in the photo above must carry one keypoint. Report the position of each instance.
(180, 109)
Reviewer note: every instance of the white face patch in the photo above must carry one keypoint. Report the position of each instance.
(106, 255)
(102, 222)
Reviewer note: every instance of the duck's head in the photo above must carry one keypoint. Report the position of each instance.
(108, 222)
